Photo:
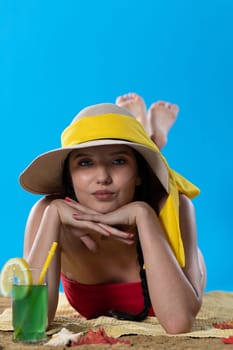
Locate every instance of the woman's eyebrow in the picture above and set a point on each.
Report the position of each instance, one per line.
(77, 155)
(119, 152)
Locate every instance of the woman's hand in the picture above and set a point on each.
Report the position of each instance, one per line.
(120, 223)
(66, 209)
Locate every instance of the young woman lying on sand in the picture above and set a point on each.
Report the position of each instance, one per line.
(123, 219)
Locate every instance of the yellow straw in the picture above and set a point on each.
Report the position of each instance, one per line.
(47, 262)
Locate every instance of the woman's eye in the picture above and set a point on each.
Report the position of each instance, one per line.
(119, 161)
(84, 163)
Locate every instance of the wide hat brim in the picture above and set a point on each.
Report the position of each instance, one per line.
(44, 174)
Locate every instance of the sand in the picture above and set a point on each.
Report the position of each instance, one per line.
(137, 341)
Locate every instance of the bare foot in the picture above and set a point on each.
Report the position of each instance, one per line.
(135, 105)
(161, 117)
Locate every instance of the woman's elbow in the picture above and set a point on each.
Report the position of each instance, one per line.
(182, 321)
(178, 324)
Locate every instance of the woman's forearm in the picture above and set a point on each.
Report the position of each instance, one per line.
(173, 298)
(47, 233)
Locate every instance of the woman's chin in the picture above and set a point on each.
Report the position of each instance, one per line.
(105, 208)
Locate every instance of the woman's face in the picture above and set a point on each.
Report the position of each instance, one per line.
(104, 177)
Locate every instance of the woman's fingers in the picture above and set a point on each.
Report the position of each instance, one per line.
(105, 230)
(78, 207)
(117, 233)
(90, 227)
(108, 219)
(89, 243)
(93, 222)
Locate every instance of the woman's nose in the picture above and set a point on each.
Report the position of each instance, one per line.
(103, 175)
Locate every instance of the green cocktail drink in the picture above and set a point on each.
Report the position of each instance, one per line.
(30, 312)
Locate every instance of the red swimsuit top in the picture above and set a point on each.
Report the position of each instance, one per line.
(92, 301)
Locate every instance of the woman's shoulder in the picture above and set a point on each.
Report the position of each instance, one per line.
(43, 202)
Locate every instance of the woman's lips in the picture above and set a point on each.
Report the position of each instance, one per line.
(103, 195)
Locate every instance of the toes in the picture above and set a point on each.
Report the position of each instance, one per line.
(132, 95)
(166, 105)
(175, 108)
(119, 100)
(172, 107)
(156, 105)
(123, 98)
(128, 96)
(161, 103)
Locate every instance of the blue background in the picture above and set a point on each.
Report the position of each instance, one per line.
(56, 57)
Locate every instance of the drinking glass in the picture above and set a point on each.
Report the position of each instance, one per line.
(30, 310)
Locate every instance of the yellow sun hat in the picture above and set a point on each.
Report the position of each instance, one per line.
(109, 124)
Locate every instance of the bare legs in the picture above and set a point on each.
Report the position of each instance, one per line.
(157, 121)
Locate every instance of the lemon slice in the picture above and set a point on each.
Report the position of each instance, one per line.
(15, 270)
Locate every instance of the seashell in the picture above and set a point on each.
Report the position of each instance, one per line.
(64, 337)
